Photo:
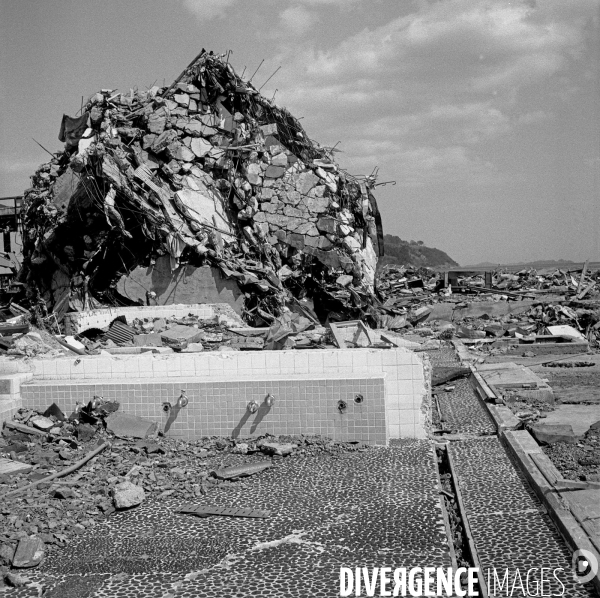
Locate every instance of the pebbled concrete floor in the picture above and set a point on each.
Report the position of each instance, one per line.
(374, 508)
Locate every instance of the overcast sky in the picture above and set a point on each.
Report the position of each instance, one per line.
(486, 113)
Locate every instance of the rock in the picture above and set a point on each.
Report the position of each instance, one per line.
(200, 147)
(327, 225)
(156, 123)
(280, 160)
(253, 174)
(127, 494)
(178, 151)
(344, 280)
(63, 493)
(42, 423)
(30, 553)
(274, 448)
(15, 580)
(275, 172)
(241, 448)
(553, 433)
(124, 425)
(306, 181)
(7, 552)
(85, 432)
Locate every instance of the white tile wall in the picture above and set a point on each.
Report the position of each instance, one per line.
(407, 382)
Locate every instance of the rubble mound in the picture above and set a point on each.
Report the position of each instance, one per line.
(208, 172)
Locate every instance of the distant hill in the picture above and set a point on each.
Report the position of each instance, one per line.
(414, 253)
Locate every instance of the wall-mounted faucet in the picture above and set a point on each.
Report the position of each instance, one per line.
(252, 407)
(269, 400)
(182, 401)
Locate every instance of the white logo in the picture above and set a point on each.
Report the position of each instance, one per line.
(584, 565)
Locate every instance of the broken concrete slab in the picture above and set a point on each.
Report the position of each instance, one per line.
(566, 331)
(553, 433)
(579, 417)
(10, 467)
(518, 378)
(42, 423)
(30, 553)
(124, 425)
(181, 336)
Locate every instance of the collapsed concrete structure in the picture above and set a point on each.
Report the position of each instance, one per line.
(204, 173)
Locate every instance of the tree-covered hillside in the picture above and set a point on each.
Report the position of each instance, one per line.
(415, 253)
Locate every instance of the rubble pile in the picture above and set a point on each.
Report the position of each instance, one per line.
(206, 171)
(523, 305)
(579, 461)
(130, 470)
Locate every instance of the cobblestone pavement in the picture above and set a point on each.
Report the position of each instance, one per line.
(462, 410)
(374, 508)
(509, 525)
(444, 356)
